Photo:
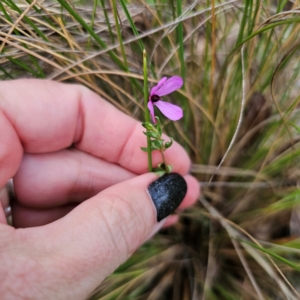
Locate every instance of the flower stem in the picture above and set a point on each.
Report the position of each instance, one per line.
(164, 161)
(147, 115)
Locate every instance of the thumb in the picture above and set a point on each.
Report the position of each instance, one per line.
(102, 232)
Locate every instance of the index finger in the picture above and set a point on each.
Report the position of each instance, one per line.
(39, 116)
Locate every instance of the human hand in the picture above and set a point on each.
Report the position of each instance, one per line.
(82, 206)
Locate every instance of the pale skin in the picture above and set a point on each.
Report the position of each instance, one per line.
(81, 186)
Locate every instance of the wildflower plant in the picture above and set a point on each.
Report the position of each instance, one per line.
(153, 132)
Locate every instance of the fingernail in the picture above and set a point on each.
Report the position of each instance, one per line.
(167, 192)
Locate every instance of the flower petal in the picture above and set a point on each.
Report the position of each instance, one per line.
(151, 109)
(170, 85)
(171, 111)
(156, 87)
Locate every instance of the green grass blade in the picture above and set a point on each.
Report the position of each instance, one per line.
(243, 22)
(118, 27)
(5, 13)
(6, 73)
(88, 28)
(24, 66)
(34, 27)
(132, 25)
(112, 37)
(48, 20)
(180, 40)
(280, 258)
(135, 32)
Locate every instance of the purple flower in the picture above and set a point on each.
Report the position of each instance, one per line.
(164, 87)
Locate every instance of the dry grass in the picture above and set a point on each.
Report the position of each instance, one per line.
(240, 63)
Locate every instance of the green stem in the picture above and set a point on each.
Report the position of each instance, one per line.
(147, 115)
(164, 161)
(180, 40)
(114, 6)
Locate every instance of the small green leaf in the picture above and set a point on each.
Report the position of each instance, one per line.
(169, 168)
(169, 144)
(166, 168)
(145, 149)
(148, 126)
(153, 148)
(159, 171)
(161, 166)
(152, 134)
(158, 144)
(158, 126)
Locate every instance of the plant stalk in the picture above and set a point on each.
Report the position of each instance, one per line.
(147, 114)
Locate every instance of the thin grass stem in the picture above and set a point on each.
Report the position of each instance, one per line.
(107, 21)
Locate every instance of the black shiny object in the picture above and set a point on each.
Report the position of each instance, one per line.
(167, 192)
